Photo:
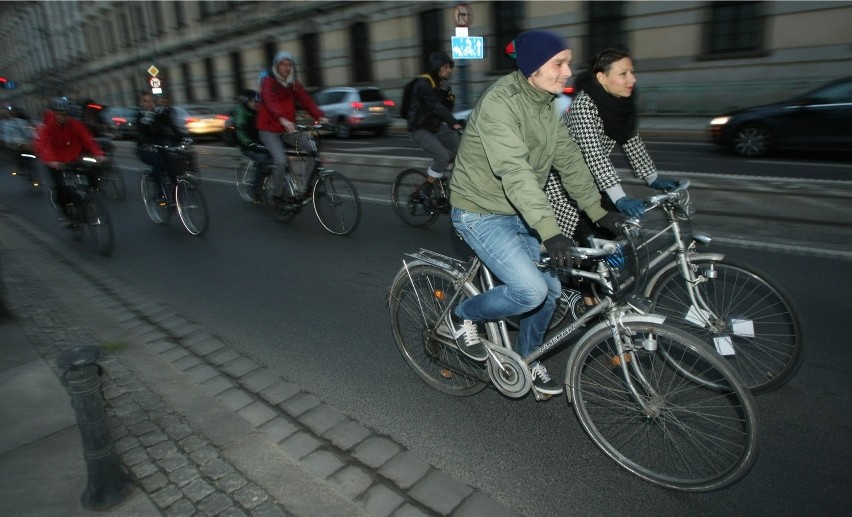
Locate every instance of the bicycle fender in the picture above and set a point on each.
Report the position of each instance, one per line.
(627, 318)
(717, 257)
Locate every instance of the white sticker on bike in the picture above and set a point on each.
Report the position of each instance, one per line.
(697, 317)
(724, 345)
(743, 328)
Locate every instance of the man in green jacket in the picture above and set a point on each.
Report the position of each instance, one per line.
(512, 140)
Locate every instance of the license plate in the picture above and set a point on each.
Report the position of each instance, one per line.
(377, 109)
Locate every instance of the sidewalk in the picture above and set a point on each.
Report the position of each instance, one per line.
(202, 429)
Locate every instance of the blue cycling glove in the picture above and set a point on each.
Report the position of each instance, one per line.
(663, 184)
(630, 207)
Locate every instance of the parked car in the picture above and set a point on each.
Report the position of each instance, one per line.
(564, 99)
(819, 119)
(352, 109)
(199, 120)
(122, 119)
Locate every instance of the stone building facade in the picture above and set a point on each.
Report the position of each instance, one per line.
(692, 57)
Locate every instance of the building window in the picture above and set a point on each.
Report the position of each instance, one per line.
(432, 38)
(606, 26)
(125, 28)
(187, 82)
(735, 27)
(359, 42)
(237, 69)
(180, 18)
(159, 27)
(210, 8)
(508, 18)
(210, 72)
(310, 64)
(270, 48)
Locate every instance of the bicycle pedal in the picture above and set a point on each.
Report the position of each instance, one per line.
(541, 397)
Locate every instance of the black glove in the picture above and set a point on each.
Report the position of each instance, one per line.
(611, 222)
(559, 249)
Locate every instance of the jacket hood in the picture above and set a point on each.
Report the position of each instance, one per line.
(280, 56)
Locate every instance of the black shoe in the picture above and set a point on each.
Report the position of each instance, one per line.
(543, 382)
(467, 337)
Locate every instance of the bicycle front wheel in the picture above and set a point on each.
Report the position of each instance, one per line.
(157, 211)
(113, 181)
(336, 203)
(99, 224)
(191, 207)
(406, 200)
(244, 178)
(417, 298)
(691, 432)
(748, 318)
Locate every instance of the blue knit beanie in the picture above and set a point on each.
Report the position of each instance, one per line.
(536, 47)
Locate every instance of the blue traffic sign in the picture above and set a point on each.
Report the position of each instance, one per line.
(468, 47)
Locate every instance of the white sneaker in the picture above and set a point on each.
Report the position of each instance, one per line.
(467, 337)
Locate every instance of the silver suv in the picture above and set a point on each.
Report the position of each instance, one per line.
(355, 109)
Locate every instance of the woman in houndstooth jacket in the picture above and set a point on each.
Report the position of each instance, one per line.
(602, 115)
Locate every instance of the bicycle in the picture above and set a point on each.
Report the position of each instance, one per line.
(85, 210)
(333, 196)
(747, 317)
(109, 179)
(181, 193)
(412, 206)
(652, 397)
(244, 175)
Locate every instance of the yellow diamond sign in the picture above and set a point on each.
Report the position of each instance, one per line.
(153, 70)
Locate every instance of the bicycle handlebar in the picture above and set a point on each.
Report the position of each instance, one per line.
(674, 195)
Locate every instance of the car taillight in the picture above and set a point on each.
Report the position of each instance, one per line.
(568, 90)
(119, 120)
(222, 117)
(357, 105)
(189, 120)
(389, 103)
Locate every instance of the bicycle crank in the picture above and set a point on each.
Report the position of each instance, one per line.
(508, 372)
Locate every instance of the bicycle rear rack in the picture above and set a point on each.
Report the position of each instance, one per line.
(439, 260)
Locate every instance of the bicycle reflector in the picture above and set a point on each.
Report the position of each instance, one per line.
(439, 294)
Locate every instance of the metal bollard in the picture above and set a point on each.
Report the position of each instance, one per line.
(108, 482)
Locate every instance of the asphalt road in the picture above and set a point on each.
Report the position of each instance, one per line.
(311, 306)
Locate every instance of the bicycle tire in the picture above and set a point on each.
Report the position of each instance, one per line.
(158, 213)
(244, 178)
(765, 345)
(409, 209)
(417, 298)
(693, 437)
(100, 224)
(191, 207)
(336, 203)
(113, 181)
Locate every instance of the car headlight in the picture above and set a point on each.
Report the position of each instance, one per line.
(719, 121)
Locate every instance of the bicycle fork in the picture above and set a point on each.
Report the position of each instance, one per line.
(627, 363)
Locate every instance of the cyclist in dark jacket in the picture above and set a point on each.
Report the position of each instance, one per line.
(431, 123)
(245, 127)
(156, 127)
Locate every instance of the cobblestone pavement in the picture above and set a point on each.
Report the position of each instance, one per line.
(203, 429)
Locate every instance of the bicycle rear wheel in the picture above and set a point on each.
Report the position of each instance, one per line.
(406, 201)
(336, 203)
(99, 224)
(152, 197)
(191, 207)
(417, 298)
(752, 321)
(244, 178)
(691, 434)
(113, 181)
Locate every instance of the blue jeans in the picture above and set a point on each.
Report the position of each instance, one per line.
(505, 245)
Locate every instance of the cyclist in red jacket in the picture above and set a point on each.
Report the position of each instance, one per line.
(61, 140)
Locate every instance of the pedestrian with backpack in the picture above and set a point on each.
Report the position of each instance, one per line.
(427, 104)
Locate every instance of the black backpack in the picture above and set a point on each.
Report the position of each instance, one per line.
(405, 107)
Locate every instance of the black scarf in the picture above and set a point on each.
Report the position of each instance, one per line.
(617, 113)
